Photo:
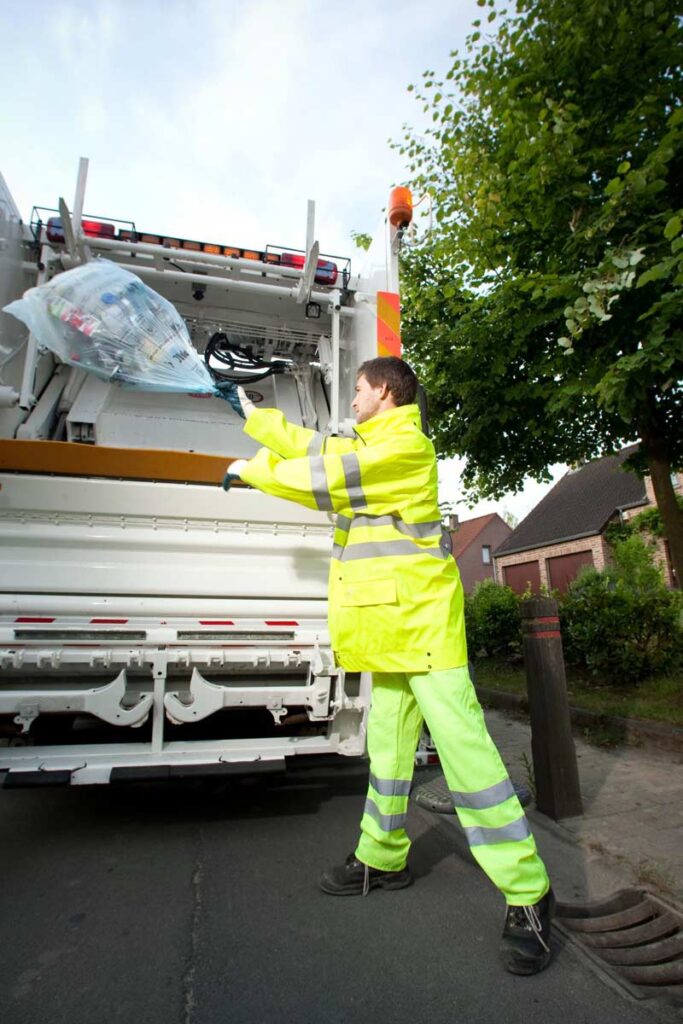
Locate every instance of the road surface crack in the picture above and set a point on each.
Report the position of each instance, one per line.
(190, 969)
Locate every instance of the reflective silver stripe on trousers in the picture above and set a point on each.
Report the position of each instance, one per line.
(321, 491)
(483, 798)
(387, 822)
(514, 832)
(351, 467)
(380, 548)
(390, 787)
(421, 531)
(316, 445)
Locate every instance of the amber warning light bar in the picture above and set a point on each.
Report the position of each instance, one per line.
(326, 274)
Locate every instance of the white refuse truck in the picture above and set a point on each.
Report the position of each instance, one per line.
(150, 623)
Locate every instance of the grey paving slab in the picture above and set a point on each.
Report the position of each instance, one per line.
(631, 831)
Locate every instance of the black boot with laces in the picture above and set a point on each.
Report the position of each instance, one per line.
(354, 878)
(525, 945)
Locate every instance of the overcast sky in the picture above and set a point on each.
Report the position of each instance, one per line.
(218, 119)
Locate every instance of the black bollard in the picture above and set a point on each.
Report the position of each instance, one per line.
(558, 792)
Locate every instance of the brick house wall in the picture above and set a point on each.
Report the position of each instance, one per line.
(661, 554)
(596, 545)
(471, 564)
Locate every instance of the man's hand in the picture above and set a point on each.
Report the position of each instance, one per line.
(237, 397)
(233, 473)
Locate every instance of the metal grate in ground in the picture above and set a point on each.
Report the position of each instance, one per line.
(430, 791)
(635, 936)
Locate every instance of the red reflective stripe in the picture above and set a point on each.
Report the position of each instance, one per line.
(282, 623)
(541, 634)
(29, 618)
(216, 622)
(546, 618)
(108, 622)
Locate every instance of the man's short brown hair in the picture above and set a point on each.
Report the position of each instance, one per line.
(395, 373)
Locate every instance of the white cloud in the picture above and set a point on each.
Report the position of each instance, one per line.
(92, 115)
(519, 504)
(84, 34)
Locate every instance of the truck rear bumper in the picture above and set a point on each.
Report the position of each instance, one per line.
(93, 765)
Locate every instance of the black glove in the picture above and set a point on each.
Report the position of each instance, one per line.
(228, 390)
(228, 480)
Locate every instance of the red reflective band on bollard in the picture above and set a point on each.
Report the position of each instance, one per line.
(542, 626)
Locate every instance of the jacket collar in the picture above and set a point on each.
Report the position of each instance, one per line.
(389, 421)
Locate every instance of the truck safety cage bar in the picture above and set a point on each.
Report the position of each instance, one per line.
(327, 272)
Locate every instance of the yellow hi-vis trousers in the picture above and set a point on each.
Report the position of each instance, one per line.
(488, 809)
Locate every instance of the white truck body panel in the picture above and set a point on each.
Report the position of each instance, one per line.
(160, 625)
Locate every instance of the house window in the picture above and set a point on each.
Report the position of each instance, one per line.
(486, 554)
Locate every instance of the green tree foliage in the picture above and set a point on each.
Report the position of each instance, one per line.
(492, 620)
(545, 316)
(362, 240)
(622, 624)
(646, 524)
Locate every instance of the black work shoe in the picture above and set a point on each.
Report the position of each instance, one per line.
(353, 878)
(525, 945)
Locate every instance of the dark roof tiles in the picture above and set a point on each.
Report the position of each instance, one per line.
(579, 505)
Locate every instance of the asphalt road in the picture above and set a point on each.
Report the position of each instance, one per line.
(197, 903)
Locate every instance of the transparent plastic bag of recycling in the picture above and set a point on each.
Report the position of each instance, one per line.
(103, 319)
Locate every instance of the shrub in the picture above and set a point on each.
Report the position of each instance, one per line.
(622, 624)
(492, 620)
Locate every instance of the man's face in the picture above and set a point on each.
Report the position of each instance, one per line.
(368, 401)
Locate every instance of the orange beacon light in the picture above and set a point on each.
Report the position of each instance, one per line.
(400, 207)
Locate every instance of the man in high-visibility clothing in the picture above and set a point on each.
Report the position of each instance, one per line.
(396, 610)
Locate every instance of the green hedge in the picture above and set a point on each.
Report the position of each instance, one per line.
(623, 624)
(492, 620)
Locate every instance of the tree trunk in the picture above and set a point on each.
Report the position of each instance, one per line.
(665, 496)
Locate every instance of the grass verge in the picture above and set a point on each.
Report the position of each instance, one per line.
(659, 699)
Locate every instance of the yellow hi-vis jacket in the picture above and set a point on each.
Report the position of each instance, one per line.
(395, 597)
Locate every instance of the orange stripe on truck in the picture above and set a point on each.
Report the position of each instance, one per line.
(388, 324)
(65, 458)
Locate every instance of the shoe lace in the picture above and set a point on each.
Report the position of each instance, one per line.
(366, 880)
(535, 925)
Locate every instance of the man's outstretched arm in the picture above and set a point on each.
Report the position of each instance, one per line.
(270, 428)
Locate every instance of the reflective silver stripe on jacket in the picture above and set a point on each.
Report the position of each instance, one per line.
(381, 548)
(316, 446)
(390, 787)
(421, 531)
(387, 822)
(514, 832)
(321, 491)
(483, 798)
(351, 467)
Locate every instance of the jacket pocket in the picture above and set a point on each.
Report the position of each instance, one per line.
(368, 592)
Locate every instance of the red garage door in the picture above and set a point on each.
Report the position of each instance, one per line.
(565, 568)
(520, 576)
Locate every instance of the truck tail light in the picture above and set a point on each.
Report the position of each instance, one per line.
(92, 228)
(326, 272)
(98, 229)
